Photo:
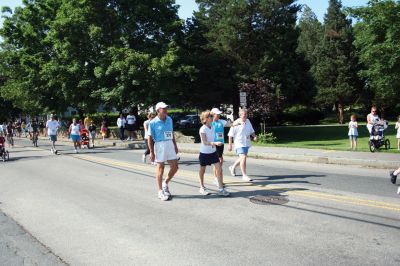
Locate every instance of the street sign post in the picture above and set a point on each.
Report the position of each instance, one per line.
(243, 99)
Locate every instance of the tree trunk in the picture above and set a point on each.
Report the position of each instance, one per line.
(236, 103)
(382, 113)
(80, 113)
(340, 112)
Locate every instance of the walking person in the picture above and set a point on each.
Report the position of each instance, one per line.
(121, 123)
(130, 125)
(208, 154)
(87, 122)
(10, 134)
(240, 136)
(18, 129)
(353, 132)
(24, 128)
(92, 132)
(398, 132)
(52, 126)
(218, 125)
(150, 116)
(34, 132)
(104, 129)
(393, 177)
(163, 149)
(74, 132)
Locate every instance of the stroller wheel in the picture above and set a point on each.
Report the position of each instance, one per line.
(387, 144)
(371, 145)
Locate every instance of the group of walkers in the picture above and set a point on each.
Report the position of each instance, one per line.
(162, 148)
(128, 123)
(20, 129)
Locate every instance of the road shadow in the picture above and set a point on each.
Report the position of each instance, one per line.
(189, 162)
(280, 177)
(241, 194)
(27, 158)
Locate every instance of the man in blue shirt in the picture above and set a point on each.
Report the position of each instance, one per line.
(163, 148)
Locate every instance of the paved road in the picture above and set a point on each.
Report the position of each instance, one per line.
(100, 208)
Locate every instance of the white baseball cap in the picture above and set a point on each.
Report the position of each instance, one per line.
(161, 105)
(216, 111)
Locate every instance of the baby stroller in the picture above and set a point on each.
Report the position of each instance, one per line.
(377, 137)
(4, 154)
(85, 138)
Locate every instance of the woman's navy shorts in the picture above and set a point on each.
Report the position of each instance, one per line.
(208, 158)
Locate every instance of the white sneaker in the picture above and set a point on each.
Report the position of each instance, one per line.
(144, 158)
(51, 150)
(215, 182)
(162, 196)
(398, 191)
(232, 170)
(203, 191)
(246, 178)
(223, 192)
(76, 151)
(165, 189)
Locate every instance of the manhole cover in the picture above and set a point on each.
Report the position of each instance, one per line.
(265, 200)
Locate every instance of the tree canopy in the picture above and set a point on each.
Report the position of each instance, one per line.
(56, 54)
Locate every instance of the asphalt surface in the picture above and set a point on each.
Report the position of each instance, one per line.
(100, 207)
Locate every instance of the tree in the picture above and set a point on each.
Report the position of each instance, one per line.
(260, 39)
(61, 53)
(378, 41)
(264, 102)
(212, 80)
(336, 66)
(311, 34)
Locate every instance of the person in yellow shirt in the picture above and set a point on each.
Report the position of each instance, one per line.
(87, 122)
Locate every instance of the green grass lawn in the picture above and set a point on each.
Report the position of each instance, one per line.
(330, 137)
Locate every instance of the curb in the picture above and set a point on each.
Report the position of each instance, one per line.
(379, 164)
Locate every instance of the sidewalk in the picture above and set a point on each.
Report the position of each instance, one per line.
(364, 159)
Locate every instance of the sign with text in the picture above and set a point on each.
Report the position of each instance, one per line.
(243, 99)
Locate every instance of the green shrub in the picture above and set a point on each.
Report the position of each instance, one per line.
(302, 115)
(266, 138)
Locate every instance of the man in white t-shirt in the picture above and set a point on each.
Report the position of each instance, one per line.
(52, 126)
(130, 125)
(240, 135)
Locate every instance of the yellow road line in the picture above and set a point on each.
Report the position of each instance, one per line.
(309, 194)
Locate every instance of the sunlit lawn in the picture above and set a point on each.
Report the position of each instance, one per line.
(332, 137)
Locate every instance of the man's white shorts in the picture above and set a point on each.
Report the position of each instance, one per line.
(165, 151)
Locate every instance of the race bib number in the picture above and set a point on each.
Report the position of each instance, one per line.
(220, 135)
(168, 135)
